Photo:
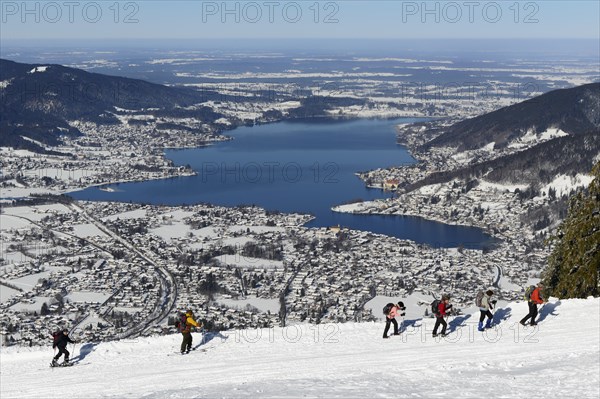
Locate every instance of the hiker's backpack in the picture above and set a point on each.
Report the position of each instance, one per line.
(181, 323)
(479, 299)
(528, 292)
(435, 307)
(55, 338)
(387, 308)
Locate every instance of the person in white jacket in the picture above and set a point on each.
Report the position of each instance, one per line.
(487, 304)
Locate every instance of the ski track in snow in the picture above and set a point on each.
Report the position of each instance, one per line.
(334, 361)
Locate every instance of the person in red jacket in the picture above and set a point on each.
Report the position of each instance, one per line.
(443, 307)
(535, 299)
(390, 317)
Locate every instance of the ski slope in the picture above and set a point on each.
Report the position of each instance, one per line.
(559, 359)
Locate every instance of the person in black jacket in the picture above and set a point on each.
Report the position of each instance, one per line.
(61, 340)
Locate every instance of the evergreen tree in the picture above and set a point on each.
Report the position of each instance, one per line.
(573, 265)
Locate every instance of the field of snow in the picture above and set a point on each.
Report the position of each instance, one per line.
(15, 257)
(36, 213)
(254, 229)
(171, 231)
(6, 293)
(62, 173)
(10, 222)
(531, 138)
(248, 262)
(263, 304)
(32, 305)
(39, 69)
(87, 230)
(28, 282)
(135, 214)
(557, 359)
(563, 184)
(87, 296)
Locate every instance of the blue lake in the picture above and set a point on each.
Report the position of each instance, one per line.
(296, 166)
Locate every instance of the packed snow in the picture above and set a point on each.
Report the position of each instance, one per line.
(31, 305)
(563, 184)
(39, 69)
(263, 304)
(248, 262)
(6, 293)
(87, 230)
(531, 138)
(87, 296)
(559, 358)
(135, 214)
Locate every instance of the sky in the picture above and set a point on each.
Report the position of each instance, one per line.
(392, 19)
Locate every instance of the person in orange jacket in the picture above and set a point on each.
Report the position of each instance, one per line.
(185, 326)
(535, 299)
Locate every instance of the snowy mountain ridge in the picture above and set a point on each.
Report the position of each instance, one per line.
(559, 358)
(573, 111)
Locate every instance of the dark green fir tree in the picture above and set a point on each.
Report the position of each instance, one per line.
(573, 265)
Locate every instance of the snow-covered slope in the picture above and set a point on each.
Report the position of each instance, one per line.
(558, 359)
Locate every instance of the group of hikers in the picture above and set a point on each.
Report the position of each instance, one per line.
(484, 301)
(440, 309)
(185, 324)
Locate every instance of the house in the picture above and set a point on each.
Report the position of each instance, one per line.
(335, 229)
(391, 184)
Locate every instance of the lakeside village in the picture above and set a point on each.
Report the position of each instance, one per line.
(98, 268)
(115, 270)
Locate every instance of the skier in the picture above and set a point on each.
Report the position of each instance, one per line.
(439, 316)
(390, 317)
(534, 299)
(486, 305)
(185, 326)
(61, 339)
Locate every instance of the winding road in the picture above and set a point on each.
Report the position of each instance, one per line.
(168, 287)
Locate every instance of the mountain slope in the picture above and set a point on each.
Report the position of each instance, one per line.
(559, 359)
(535, 166)
(574, 111)
(37, 101)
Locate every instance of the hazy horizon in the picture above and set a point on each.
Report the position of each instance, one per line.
(580, 47)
